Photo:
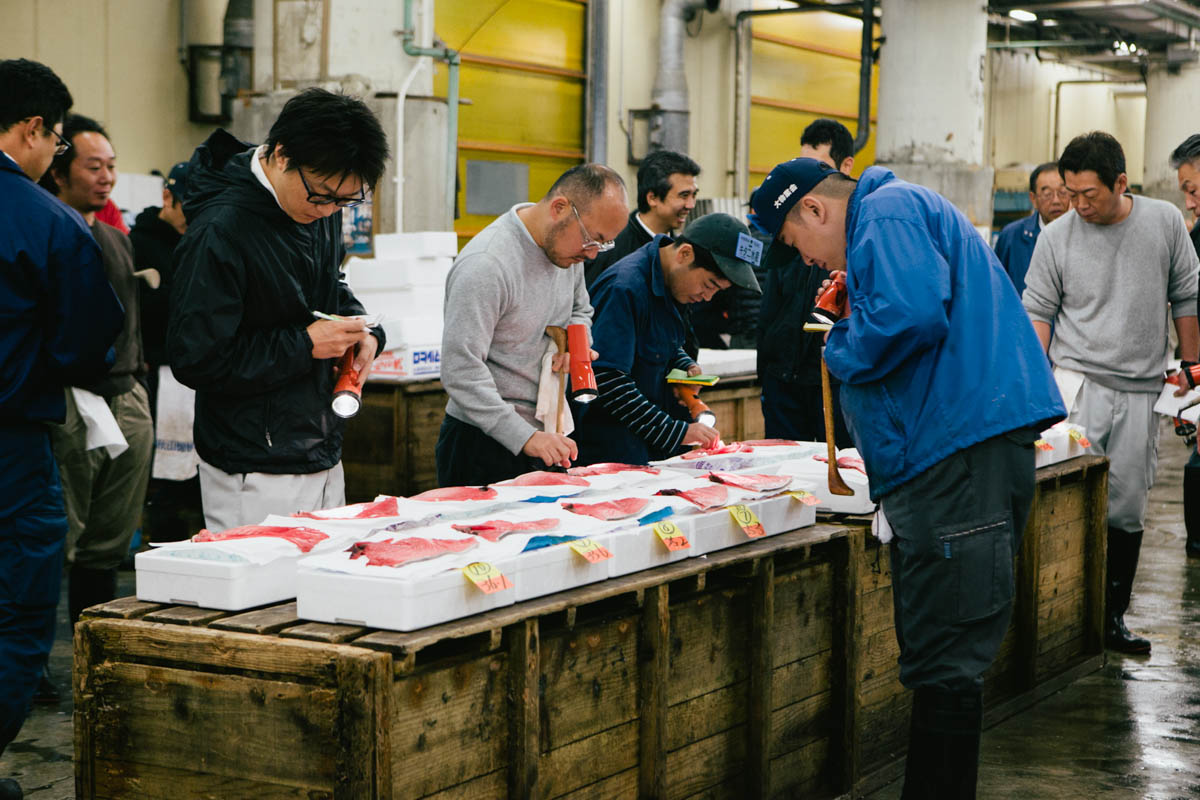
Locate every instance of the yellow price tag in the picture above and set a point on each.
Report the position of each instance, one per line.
(486, 577)
(747, 520)
(591, 552)
(1042, 444)
(671, 536)
(808, 498)
(1079, 437)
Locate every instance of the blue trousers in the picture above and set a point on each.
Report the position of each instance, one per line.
(33, 532)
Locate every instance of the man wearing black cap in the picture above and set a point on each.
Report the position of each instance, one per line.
(638, 327)
(944, 390)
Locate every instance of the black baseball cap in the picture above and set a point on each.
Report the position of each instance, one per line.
(783, 188)
(177, 180)
(734, 251)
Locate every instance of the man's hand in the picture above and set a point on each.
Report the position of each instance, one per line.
(551, 448)
(825, 284)
(364, 358)
(332, 338)
(701, 435)
(694, 370)
(561, 362)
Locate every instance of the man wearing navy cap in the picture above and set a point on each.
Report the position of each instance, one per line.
(944, 389)
(638, 327)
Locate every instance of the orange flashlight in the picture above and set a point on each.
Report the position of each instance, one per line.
(583, 380)
(689, 395)
(831, 305)
(347, 395)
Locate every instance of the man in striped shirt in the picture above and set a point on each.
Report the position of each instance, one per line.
(638, 328)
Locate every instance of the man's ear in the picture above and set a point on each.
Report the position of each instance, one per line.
(847, 165)
(685, 254)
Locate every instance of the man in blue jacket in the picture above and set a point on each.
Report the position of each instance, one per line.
(58, 319)
(944, 389)
(1014, 246)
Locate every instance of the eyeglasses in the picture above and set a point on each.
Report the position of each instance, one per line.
(62, 146)
(1046, 193)
(588, 241)
(326, 199)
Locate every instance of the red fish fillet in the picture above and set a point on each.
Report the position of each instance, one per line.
(494, 529)
(545, 479)
(394, 552)
(386, 507)
(719, 450)
(751, 483)
(771, 443)
(611, 509)
(304, 538)
(609, 468)
(705, 497)
(456, 493)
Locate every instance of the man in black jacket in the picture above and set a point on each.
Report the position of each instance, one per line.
(261, 254)
(789, 360)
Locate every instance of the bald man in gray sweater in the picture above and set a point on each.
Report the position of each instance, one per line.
(520, 274)
(1103, 277)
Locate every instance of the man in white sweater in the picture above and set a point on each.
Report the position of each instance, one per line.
(520, 274)
(1104, 275)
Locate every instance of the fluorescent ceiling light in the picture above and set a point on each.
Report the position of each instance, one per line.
(1022, 15)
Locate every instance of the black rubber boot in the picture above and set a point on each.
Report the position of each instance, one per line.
(86, 587)
(1191, 510)
(1123, 550)
(943, 746)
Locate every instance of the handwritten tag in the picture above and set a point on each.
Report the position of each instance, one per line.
(747, 521)
(1042, 444)
(671, 536)
(808, 498)
(1079, 437)
(486, 577)
(592, 553)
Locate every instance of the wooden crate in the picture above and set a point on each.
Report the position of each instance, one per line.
(389, 446)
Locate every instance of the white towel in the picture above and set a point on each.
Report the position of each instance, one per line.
(548, 396)
(880, 526)
(1069, 383)
(102, 428)
(175, 456)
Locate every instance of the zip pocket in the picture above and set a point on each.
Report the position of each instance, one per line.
(979, 579)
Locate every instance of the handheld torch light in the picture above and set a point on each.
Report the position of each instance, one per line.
(1187, 376)
(689, 395)
(831, 305)
(583, 380)
(347, 395)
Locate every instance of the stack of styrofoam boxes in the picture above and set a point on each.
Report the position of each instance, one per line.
(406, 283)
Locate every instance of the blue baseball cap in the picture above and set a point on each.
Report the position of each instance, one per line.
(783, 188)
(176, 180)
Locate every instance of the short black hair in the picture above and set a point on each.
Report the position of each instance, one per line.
(73, 125)
(654, 174)
(584, 183)
(30, 89)
(331, 134)
(1038, 170)
(832, 133)
(1188, 152)
(1096, 151)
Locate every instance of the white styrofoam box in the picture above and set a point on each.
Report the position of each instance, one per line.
(716, 529)
(402, 301)
(640, 548)
(421, 244)
(391, 603)
(760, 458)
(376, 274)
(1059, 441)
(813, 476)
(556, 569)
(727, 362)
(409, 363)
(413, 330)
(166, 575)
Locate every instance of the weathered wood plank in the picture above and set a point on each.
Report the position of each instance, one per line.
(122, 780)
(847, 633)
(1063, 657)
(450, 726)
(323, 632)
(1026, 601)
(226, 726)
(804, 608)
(653, 691)
(796, 726)
(523, 710)
(589, 680)
(623, 784)
(261, 620)
(804, 678)
(1096, 550)
(707, 715)
(84, 716)
(185, 615)
(363, 759)
(485, 787)
(122, 608)
(762, 660)
(709, 643)
(583, 763)
(706, 763)
(802, 773)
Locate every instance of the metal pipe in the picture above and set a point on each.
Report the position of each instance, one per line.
(1040, 44)
(864, 76)
(669, 97)
(1057, 102)
(453, 63)
(597, 81)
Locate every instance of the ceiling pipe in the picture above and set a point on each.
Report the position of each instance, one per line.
(669, 97)
(597, 81)
(1058, 96)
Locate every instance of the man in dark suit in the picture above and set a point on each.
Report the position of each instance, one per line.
(1014, 247)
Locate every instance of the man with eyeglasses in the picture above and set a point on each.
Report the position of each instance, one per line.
(1105, 277)
(1014, 246)
(58, 320)
(520, 274)
(261, 254)
(640, 302)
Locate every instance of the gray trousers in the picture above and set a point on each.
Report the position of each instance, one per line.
(957, 528)
(246, 498)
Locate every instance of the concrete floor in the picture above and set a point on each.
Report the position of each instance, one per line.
(1131, 730)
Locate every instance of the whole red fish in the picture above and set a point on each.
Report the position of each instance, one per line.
(494, 529)
(304, 538)
(610, 509)
(394, 552)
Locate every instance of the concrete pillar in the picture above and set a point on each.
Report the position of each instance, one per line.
(1171, 103)
(931, 100)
